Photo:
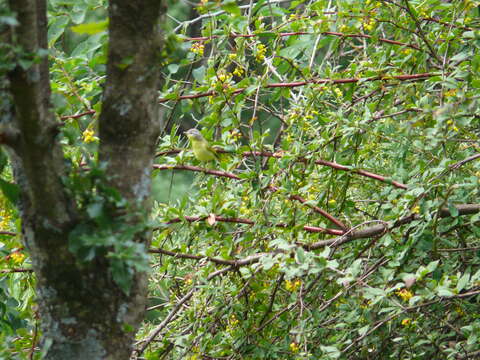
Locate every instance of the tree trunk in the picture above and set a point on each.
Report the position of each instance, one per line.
(84, 313)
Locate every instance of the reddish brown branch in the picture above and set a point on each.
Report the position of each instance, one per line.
(316, 209)
(197, 169)
(312, 81)
(333, 165)
(332, 33)
(76, 116)
(9, 233)
(315, 229)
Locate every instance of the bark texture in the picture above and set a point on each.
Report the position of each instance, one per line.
(84, 314)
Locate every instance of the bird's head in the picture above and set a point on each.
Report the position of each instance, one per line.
(194, 134)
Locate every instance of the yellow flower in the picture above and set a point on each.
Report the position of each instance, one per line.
(261, 51)
(88, 136)
(369, 24)
(233, 321)
(292, 285)
(238, 71)
(406, 322)
(4, 223)
(198, 48)
(17, 257)
(450, 93)
(404, 294)
(294, 347)
(459, 311)
(416, 209)
(332, 201)
(338, 92)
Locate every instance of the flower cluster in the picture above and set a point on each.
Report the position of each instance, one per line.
(294, 347)
(261, 51)
(89, 136)
(198, 48)
(292, 285)
(404, 294)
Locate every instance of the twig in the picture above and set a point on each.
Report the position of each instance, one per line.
(464, 161)
(285, 34)
(330, 164)
(76, 116)
(197, 169)
(17, 270)
(314, 229)
(421, 76)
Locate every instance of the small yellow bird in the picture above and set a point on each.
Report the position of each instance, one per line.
(201, 148)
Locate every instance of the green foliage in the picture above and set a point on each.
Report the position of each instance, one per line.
(265, 66)
(111, 227)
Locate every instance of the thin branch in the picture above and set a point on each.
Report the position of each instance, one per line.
(336, 166)
(76, 116)
(421, 76)
(18, 270)
(285, 34)
(464, 161)
(420, 31)
(197, 169)
(234, 263)
(331, 164)
(461, 249)
(314, 229)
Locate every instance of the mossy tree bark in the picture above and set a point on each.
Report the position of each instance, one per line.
(84, 314)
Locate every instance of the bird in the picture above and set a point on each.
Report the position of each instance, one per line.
(200, 146)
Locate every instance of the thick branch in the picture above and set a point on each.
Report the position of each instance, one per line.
(380, 229)
(128, 124)
(39, 165)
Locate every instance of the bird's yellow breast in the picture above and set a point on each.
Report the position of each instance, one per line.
(202, 150)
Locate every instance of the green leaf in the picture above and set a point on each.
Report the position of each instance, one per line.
(300, 255)
(463, 282)
(122, 275)
(10, 190)
(91, 28)
(173, 68)
(453, 210)
(56, 28)
(232, 8)
(199, 74)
